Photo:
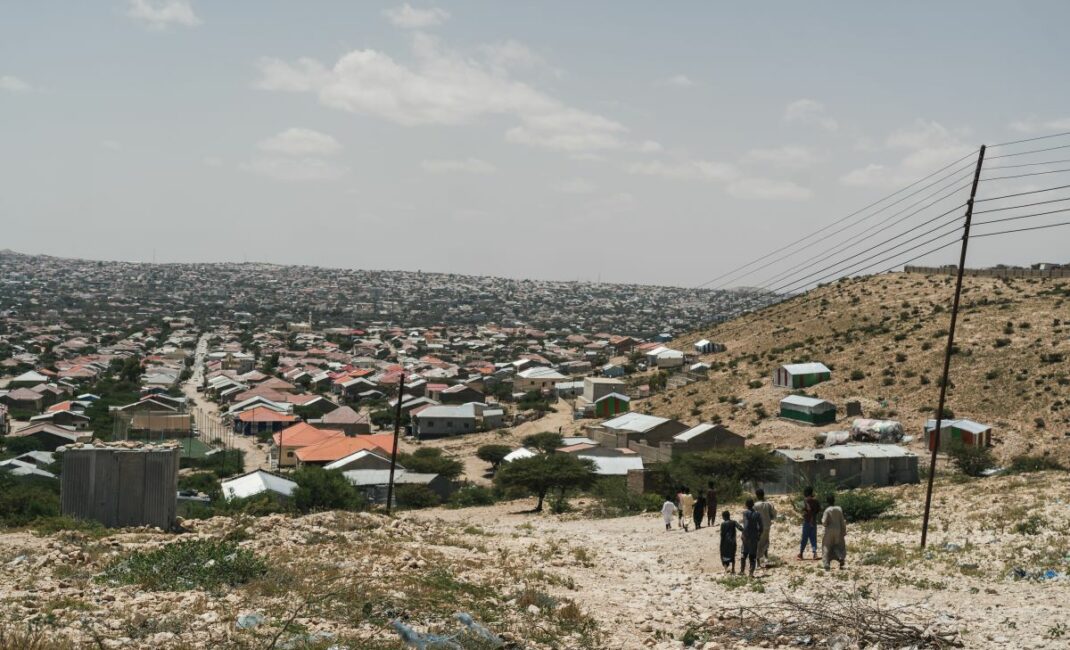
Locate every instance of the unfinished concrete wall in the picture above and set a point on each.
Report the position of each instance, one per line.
(121, 487)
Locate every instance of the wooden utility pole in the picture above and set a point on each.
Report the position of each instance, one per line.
(394, 453)
(945, 378)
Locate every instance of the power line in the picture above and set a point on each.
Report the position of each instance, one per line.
(1024, 205)
(1034, 164)
(1005, 232)
(1026, 153)
(1049, 171)
(1024, 216)
(855, 239)
(1007, 196)
(841, 220)
(1039, 137)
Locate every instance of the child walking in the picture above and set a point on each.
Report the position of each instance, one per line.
(728, 541)
(668, 509)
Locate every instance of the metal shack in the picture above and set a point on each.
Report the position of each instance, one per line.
(848, 466)
(121, 486)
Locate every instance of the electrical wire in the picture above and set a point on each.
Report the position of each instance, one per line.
(1024, 205)
(1007, 196)
(1026, 153)
(855, 239)
(1005, 232)
(1049, 171)
(1045, 162)
(849, 216)
(1023, 216)
(1039, 137)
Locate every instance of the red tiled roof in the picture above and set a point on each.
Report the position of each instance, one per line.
(264, 414)
(339, 447)
(304, 434)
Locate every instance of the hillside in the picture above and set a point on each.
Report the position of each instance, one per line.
(339, 579)
(1011, 369)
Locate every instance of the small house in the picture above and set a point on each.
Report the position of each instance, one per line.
(612, 404)
(800, 375)
(808, 410)
(958, 432)
(706, 346)
(257, 482)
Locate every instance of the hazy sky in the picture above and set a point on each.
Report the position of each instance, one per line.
(632, 141)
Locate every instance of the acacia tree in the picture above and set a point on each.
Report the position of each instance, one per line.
(546, 441)
(541, 474)
(493, 454)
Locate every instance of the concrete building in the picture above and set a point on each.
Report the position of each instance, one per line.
(848, 466)
(454, 420)
(537, 379)
(633, 427)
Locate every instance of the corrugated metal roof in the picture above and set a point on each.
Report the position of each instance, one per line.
(637, 422)
(694, 431)
(614, 465)
(255, 483)
(805, 368)
(840, 452)
(805, 402)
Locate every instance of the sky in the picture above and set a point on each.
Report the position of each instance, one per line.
(603, 140)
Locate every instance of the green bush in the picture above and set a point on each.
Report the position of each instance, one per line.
(416, 496)
(60, 523)
(203, 482)
(431, 460)
(1031, 526)
(1024, 464)
(857, 375)
(493, 454)
(17, 446)
(971, 460)
(862, 505)
(472, 495)
(319, 489)
(188, 564)
(614, 499)
(22, 500)
(223, 464)
(729, 468)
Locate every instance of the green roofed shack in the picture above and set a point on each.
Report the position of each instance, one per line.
(800, 375)
(807, 409)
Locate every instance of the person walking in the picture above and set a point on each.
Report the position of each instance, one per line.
(834, 542)
(809, 526)
(768, 514)
(687, 508)
(711, 504)
(752, 532)
(700, 510)
(728, 541)
(668, 509)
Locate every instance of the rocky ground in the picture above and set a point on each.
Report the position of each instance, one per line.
(546, 581)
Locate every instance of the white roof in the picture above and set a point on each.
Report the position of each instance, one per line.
(806, 402)
(30, 375)
(694, 431)
(257, 482)
(364, 477)
(637, 422)
(568, 441)
(355, 456)
(702, 342)
(448, 411)
(614, 465)
(620, 396)
(21, 468)
(540, 373)
(847, 451)
(964, 424)
(805, 368)
(517, 454)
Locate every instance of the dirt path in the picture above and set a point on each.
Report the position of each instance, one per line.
(206, 415)
(643, 582)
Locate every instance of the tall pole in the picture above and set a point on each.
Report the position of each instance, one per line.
(394, 452)
(935, 441)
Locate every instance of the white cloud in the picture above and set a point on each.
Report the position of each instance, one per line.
(811, 112)
(607, 206)
(293, 169)
(511, 54)
(923, 147)
(787, 156)
(1034, 125)
(765, 189)
(687, 170)
(301, 142)
(574, 186)
(680, 81)
(408, 17)
(12, 84)
(161, 14)
(111, 144)
(466, 166)
(442, 87)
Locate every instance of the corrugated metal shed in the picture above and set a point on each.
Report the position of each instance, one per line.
(119, 486)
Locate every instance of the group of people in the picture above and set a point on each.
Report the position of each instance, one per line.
(757, 524)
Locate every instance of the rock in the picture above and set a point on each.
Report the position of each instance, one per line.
(250, 621)
(533, 610)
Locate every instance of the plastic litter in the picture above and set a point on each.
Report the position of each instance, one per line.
(421, 641)
(249, 621)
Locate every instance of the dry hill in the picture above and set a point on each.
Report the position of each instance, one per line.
(1011, 368)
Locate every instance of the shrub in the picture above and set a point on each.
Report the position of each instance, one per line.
(755, 383)
(493, 454)
(857, 375)
(21, 445)
(1024, 464)
(416, 496)
(204, 482)
(971, 460)
(189, 564)
(431, 460)
(472, 495)
(546, 441)
(1031, 526)
(862, 505)
(320, 489)
(614, 499)
(22, 500)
